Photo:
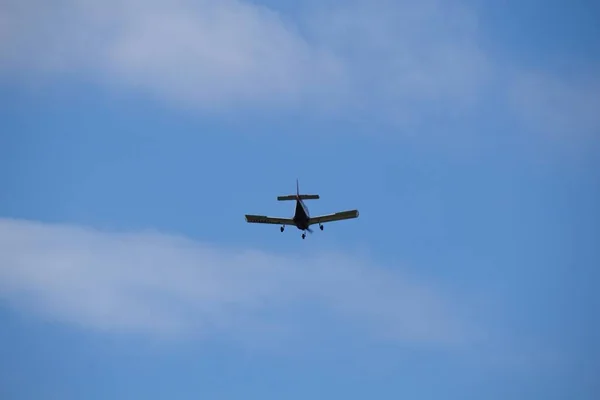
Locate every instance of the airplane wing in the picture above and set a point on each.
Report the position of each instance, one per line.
(263, 219)
(338, 216)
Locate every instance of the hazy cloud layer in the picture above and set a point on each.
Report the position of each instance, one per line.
(558, 108)
(403, 60)
(164, 285)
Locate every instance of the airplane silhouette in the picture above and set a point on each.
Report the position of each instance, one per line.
(301, 219)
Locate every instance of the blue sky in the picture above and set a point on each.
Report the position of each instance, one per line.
(135, 135)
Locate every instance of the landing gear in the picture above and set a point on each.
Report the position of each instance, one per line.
(320, 226)
(282, 228)
(304, 236)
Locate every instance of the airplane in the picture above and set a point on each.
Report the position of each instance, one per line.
(301, 219)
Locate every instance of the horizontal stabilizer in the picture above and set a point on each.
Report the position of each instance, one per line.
(301, 196)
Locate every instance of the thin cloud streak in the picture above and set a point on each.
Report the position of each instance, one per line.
(167, 286)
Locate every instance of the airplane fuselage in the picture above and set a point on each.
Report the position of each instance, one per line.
(301, 216)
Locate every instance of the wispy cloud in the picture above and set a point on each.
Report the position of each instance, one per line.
(219, 53)
(404, 61)
(201, 54)
(562, 108)
(157, 285)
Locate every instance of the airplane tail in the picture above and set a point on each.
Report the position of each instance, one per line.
(298, 196)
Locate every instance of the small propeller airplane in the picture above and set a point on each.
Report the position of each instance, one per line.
(301, 219)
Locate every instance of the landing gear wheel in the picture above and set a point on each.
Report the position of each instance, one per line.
(303, 235)
(321, 227)
(282, 228)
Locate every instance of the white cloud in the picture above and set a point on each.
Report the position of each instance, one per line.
(408, 62)
(159, 284)
(217, 53)
(205, 54)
